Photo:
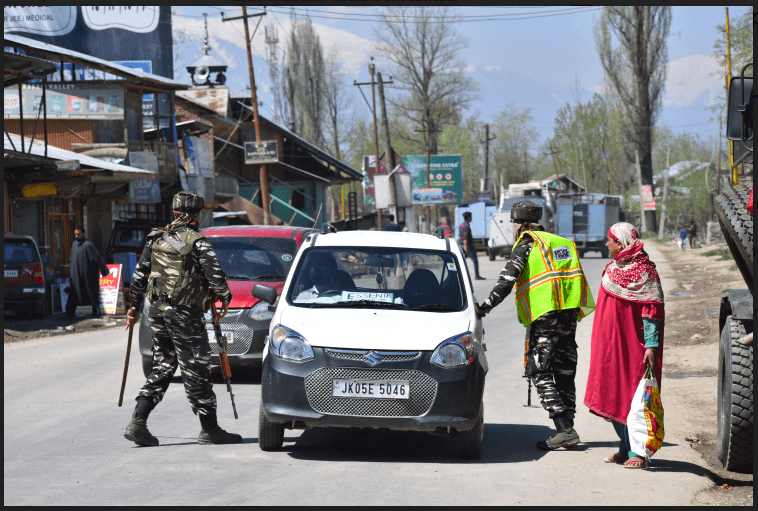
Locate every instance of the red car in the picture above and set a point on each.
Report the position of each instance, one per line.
(249, 255)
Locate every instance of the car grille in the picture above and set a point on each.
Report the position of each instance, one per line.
(318, 389)
(243, 338)
(383, 356)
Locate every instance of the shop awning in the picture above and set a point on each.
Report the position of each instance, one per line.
(34, 153)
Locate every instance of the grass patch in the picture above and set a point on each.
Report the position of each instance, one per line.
(722, 253)
(646, 235)
(733, 267)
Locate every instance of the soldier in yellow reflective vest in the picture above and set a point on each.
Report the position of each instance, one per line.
(551, 296)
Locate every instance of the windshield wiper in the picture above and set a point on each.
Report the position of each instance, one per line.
(269, 277)
(238, 277)
(434, 307)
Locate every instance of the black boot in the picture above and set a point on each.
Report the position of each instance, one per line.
(137, 432)
(567, 436)
(213, 434)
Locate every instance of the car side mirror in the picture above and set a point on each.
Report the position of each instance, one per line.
(739, 121)
(265, 293)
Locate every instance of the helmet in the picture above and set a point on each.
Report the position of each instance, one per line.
(526, 211)
(188, 202)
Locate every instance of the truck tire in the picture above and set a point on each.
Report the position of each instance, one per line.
(737, 225)
(605, 253)
(734, 443)
(270, 434)
(492, 254)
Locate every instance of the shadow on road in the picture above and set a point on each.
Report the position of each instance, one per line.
(503, 443)
(664, 465)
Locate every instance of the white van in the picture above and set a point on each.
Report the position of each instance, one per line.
(375, 329)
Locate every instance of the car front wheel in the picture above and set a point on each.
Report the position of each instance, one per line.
(471, 441)
(270, 434)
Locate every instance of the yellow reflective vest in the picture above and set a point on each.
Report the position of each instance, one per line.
(552, 279)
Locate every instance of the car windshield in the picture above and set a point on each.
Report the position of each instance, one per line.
(255, 258)
(19, 251)
(378, 277)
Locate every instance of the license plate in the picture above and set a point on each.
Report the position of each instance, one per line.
(11, 273)
(229, 336)
(379, 389)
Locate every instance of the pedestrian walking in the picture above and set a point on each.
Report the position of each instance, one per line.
(179, 274)
(627, 335)
(692, 233)
(391, 225)
(465, 236)
(683, 237)
(446, 230)
(552, 295)
(86, 267)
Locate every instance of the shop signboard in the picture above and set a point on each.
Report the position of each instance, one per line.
(144, 191)
(66, 101)
(260, 152)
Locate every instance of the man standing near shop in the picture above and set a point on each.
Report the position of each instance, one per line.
(86, 267)
(179, 274)
(465, 236)
(552, 294)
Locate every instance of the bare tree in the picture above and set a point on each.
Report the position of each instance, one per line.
(635, 63)
(335, 99)
(424, 47)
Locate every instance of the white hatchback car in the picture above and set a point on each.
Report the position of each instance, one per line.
(375, 329)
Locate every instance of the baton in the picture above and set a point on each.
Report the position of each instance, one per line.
(126, 364)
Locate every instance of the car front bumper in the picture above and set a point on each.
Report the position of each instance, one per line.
(439, 398)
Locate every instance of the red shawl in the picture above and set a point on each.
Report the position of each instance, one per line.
(630, 290)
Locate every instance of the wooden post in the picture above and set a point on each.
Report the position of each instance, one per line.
(372, 69)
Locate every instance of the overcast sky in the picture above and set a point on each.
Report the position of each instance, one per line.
(549, 45)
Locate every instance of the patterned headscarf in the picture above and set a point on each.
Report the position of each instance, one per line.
(631, 275)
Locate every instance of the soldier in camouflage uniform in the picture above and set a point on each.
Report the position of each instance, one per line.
(552, 356)
(180, 275)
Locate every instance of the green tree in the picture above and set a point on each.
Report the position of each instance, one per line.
(515, 131)
(463, 140)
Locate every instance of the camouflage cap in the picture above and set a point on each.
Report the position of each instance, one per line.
(526, 211)
(187, 202)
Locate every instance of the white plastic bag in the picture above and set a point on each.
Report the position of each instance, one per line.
(645, 419)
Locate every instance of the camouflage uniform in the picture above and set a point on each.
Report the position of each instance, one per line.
(178, 329)
(552, 340)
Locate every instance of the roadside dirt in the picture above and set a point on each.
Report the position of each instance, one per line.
(692, 286)
(17, 328)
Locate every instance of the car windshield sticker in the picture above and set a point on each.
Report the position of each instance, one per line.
(354, 296)
(561, 253)
(286, 257)
(451, 266)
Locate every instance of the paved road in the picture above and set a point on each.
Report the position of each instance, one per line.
(63, 440)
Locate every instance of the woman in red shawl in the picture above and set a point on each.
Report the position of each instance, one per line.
(627, 335)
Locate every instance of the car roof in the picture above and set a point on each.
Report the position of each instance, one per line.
(271, 231)
(381, 239)
(11, 237)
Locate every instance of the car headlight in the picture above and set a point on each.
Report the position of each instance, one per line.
(290, 345)
(454, 352)
(260, 312)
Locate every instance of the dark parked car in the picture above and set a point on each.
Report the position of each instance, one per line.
(23, 275)
(249, 255)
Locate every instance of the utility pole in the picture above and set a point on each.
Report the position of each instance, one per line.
(272, 38)
(526, 166)
(486, 142)
(665, 194)
(263, 175)
(371, 69)
(427, 131)
(732, 168)
(555, 167)
(388, 145)
(639, 181)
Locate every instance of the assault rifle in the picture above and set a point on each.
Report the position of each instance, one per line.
(526, 371)
(225, 370)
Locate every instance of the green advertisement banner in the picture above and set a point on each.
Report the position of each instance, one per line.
(445, 184)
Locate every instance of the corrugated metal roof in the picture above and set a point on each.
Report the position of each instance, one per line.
(13, 40)
(56, 153)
